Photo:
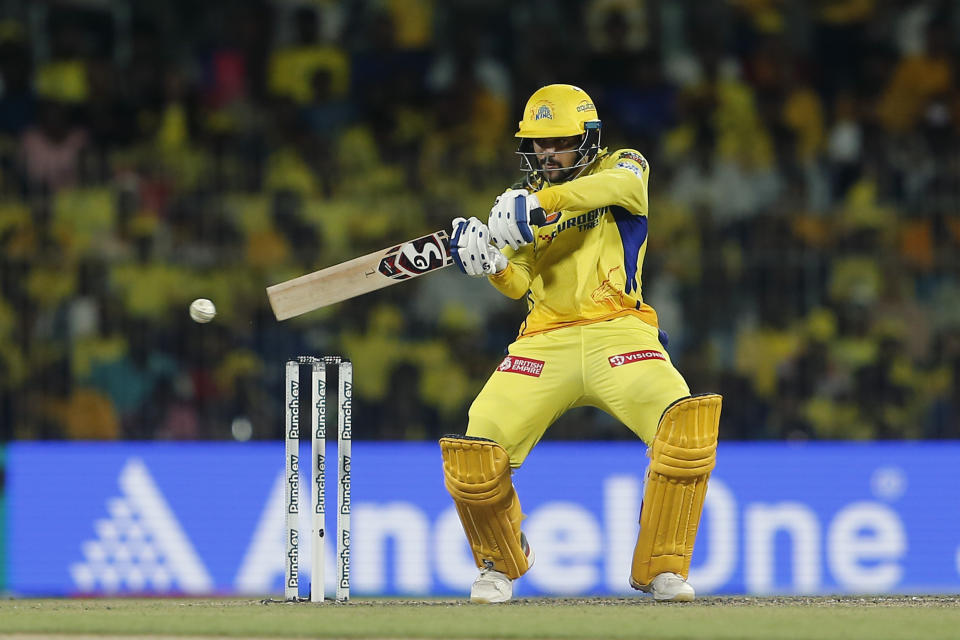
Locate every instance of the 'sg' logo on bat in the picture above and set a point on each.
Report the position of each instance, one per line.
(430, 254)
(417, 257)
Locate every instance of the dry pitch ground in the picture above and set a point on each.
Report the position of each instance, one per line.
(770, 618)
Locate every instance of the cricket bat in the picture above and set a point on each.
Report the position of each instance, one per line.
(367, 273)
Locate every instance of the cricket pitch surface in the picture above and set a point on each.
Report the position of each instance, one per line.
(768, 618)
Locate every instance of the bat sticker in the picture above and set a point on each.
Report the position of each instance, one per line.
(417, 257)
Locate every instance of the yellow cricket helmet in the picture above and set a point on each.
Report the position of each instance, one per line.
(559, 111)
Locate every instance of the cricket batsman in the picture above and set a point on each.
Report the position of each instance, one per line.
(588, 339)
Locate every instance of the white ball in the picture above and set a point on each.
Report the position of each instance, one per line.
(202, 310)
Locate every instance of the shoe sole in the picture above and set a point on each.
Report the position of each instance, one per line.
(487, 601)
(679, 597)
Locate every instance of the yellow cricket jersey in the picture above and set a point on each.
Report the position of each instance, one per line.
(584, 266)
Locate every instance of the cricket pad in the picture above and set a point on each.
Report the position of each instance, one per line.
(682, 455)
(476, 472)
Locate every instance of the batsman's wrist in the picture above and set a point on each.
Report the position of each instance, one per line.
(500, 263)
(500, 271)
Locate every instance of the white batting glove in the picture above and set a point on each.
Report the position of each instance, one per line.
(471, 249)
(510, 218)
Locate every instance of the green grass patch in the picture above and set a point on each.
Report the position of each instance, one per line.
(710, 618)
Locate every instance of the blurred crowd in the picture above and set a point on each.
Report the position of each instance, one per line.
(804, 224)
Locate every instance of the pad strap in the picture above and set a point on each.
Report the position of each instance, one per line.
(477, 474)
(683, 454)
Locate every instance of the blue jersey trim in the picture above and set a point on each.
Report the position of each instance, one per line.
(523, 325)
(633, 233)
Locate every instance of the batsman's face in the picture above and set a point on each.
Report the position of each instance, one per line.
(556, 155)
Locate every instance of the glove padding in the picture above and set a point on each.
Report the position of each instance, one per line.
(471, 249)
(510, 218)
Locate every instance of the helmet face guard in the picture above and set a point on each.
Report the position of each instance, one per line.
(531, 161)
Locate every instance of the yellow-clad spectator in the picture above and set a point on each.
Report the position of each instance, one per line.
(844, 11)
(917, 81)
(803, 114)
(287, 170)
(13, 362)
(292, 68)
(63, 80)
(449, 379)
(760, 351)
(87, 414)
(87, 215)
(376, 349)
(149, 286)
(836, 419)
(413, 22)
(63, 77)
(766, 16)
(728, 105)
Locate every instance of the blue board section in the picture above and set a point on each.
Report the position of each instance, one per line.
(207, 518)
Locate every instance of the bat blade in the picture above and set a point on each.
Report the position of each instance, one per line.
(360, 275)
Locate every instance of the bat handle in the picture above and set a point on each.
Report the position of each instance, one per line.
(538, 217)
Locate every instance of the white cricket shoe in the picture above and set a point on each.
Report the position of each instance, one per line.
(668, 587)
(491, 586)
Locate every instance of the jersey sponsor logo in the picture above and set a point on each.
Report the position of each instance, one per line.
(629, 166)
(636, 157)
(634, 356)
(543, 113)
(526, 366)
(550, 218)
(582, 222)
(416, 257)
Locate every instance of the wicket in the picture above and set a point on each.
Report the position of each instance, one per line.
(318, 401)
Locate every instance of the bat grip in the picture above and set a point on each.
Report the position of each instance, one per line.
(538, 217)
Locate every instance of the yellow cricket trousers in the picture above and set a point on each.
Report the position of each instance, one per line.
(618, 366)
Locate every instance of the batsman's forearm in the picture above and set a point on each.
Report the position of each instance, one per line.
(610, 187)
(512, 282)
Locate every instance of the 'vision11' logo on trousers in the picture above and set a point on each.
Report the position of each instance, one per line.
(294, 481)
(634, 356)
